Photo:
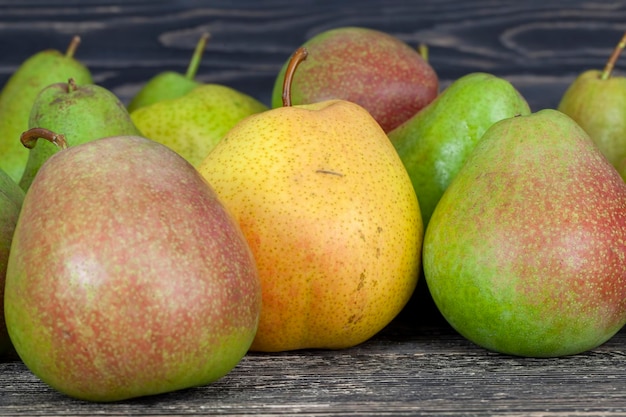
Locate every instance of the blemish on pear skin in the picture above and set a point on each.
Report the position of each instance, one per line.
(324, 171)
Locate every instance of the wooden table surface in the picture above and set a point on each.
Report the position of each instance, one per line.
(418, 365)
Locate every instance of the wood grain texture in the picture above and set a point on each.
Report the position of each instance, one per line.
(415, 366)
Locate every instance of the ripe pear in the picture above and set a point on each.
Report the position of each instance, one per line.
(80, 113)
(336, 233)
(596, 100)
(374, 69)
(19, 94)
(435, 142)
(170, 84)
(127, 276)
(11, 198)
(192, 124)
(524, 253)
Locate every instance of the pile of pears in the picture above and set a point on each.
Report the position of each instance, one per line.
(146, 248)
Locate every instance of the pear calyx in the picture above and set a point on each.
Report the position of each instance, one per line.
(29, 137)
(298, 56)
(610, 64)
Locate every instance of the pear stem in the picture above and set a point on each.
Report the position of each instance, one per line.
(298, 56)
(71, 48)
(422, 49)
(71, 85)
(608, 69)
(29, 138)
(194, 64)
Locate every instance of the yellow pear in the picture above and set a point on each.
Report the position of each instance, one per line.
(330, 215)
(193, 123)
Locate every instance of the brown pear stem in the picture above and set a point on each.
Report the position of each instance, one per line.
(610, 64)
(422, 49)
(298, 56)
(194, 64)
(29, 138)
(71, 49)
(71, 85)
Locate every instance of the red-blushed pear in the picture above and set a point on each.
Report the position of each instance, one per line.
(331, 216)
(11, 198)
(372, 68)
(524, 253)
(596, 100)
(127, 276)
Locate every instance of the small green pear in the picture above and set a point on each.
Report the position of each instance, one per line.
(331, 217)
(80, 113)
(596, 100)
(192, 124)
(19, 94)
(170, 84)
(11, 198)
(434, 143)
(525, 254)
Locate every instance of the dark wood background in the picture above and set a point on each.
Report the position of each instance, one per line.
(418, 365)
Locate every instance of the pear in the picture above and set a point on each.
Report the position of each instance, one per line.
(192, 124)
(19, 93)
(331, 217)
(596, 100)
(171, 84)
(524, 253)
(127, 276)
(78, 112)
(11, 198)
(374, 69)
(435, 142)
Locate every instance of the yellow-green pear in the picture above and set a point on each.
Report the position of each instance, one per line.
(331, 217)
(19, 93)
(192, 124)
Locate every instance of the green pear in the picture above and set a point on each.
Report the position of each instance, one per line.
(127, 276)
(596, 100)
(524, 253)
(170, 84)
(374, 69)
(434, 143)
(11, 198)
(336, 233)
(78, 112)
(19, 94)
(192, 124)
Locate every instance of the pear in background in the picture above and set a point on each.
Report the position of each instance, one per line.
(11, 198)
(127, 276)
(434, 143)
(336, 232)
(80, 113)
(170, 84)
(19, 94)
(374, 69)
(524, 253)
(596, 100)
(192, 124)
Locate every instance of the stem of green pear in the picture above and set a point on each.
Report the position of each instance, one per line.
(71, 85)
(298, 56)
(610, 64)
(29, 138)
(194, 64)
(71, 48)
(422, 49)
